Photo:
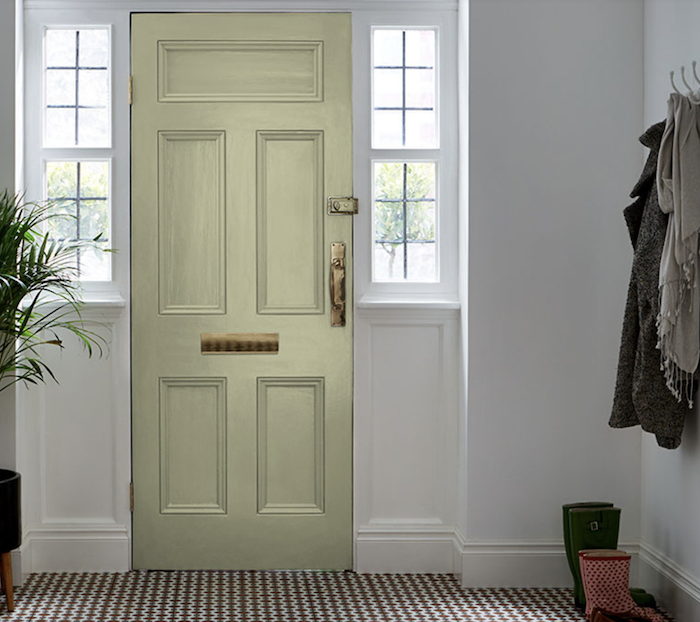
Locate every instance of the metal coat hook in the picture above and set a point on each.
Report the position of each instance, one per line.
(673, 84)
(690, 88)
(692, 94)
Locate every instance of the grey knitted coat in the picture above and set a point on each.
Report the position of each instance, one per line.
(641, 395)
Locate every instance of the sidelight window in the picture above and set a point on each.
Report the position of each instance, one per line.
(405, 117)
(77, 142)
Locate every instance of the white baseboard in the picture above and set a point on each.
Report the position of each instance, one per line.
(17, 574)
(405, 548)
(676, 590)
(514, 563)
(437, 548)
(71, 547)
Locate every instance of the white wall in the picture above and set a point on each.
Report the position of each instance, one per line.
(10, 60)
(7, 94)
(670, 536)
(552, 160)
(556, 92)
(7, 181)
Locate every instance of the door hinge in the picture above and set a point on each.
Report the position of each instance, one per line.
(342, 205)
(131, 90)
(131, 497)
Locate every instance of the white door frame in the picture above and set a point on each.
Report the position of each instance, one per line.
(96, 524)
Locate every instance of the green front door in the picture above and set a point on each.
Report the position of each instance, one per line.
(242, 388)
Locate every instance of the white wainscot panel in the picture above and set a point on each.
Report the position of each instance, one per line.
(79, 457)
(406, 419)
(75, 466)
(406, 399)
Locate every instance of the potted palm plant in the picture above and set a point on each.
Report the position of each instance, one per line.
(39, 301)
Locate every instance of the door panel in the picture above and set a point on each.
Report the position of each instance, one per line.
(238, 71)
(290, 223)
(291, 445)
(193, 484)
(242, 389)
(191, 172)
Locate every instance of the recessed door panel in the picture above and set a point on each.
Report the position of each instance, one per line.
(239, 71)
(290, 222)
(193, 445)
(290, 445)
(191, 222)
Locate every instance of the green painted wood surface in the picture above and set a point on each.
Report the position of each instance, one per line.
(241, 126)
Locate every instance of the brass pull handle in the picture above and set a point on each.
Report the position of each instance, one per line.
(337, 284)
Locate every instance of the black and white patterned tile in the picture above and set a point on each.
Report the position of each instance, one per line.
(279, 596)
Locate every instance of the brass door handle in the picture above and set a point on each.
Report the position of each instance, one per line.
(337, 284)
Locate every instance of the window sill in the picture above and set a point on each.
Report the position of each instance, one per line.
(96, 306)
(105, 306)
(407, 304)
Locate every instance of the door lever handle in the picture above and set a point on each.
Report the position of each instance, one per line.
(337, 284)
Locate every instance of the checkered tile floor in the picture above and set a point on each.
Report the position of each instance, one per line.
(279, 596)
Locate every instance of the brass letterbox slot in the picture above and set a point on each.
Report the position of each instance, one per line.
(240, 343)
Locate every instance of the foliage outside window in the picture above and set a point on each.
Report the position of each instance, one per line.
(404, 221)
(404, 115)
(79, 192)
(77, 117)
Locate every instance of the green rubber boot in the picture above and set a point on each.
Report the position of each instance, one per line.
(591, 528)
(571, 555)
(641, 597)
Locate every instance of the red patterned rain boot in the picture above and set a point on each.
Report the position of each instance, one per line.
(607, 552)
(605, 576)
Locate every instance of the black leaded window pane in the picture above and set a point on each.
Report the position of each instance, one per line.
(76, 87)
(79, 191)
(404, 89)
(404, 221)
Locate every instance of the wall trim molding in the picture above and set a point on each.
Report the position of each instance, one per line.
(404, 546)
(515, 563)
(430, 546)
(670, 570)
(410, 531)
(526, 547)
(75, 547)
(245, 5)
(78, 530)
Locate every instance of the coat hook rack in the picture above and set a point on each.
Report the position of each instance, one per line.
(693, 94)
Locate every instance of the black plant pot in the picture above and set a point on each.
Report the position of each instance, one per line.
(10, 511)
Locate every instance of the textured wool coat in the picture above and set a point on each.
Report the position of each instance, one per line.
(641, 395)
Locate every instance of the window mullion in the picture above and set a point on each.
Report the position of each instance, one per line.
(405, 221)
(77, 87)
(403, 99)
(77, 213)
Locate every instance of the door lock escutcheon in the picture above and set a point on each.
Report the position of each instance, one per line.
(342, 205)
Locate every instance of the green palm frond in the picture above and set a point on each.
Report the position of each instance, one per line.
(39, 294)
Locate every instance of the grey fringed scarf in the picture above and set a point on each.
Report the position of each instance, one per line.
(678, 181)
